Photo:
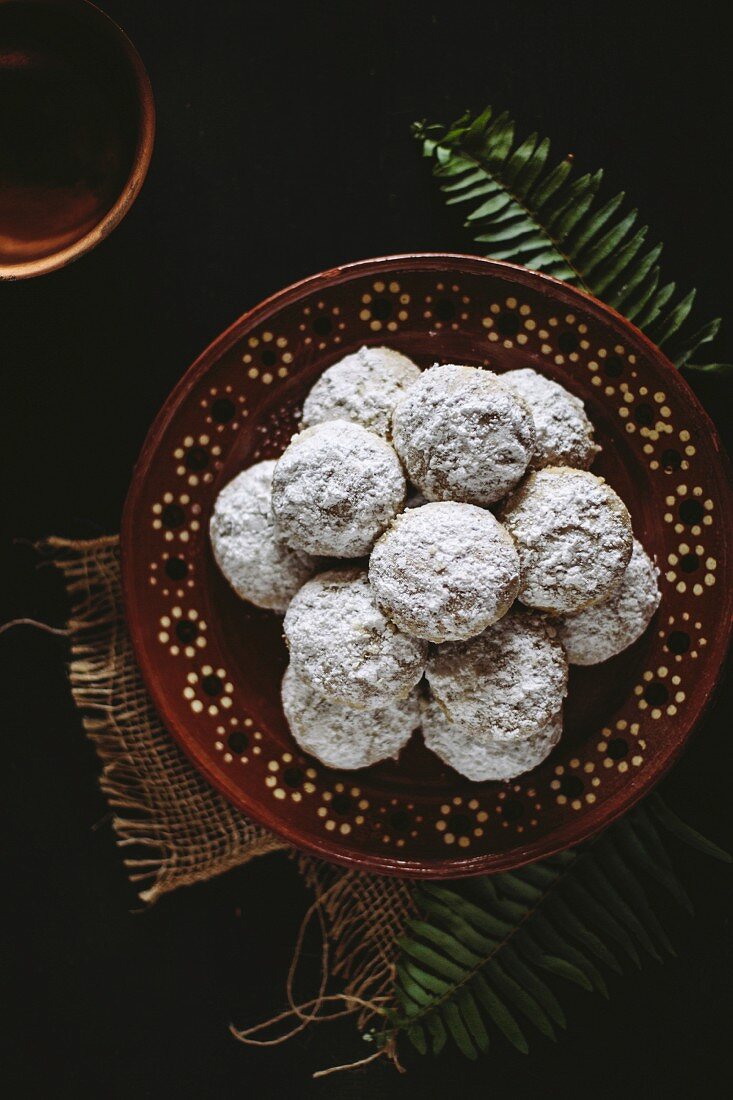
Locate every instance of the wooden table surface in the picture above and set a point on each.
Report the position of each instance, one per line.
(283, 148)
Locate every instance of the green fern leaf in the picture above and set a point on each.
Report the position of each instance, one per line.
(483, 955)
(684, 832)
(522, 209)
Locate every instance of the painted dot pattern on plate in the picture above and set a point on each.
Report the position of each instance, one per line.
(214, 663)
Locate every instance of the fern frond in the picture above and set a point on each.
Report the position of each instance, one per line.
(521, 208)
(482, 956)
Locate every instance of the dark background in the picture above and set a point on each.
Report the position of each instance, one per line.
(283, 148)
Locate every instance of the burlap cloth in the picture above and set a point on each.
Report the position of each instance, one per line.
(173, 827)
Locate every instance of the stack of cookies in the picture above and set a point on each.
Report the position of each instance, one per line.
(441, 553)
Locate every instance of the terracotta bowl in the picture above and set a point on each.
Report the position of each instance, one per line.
(76, 132)
(213, 663)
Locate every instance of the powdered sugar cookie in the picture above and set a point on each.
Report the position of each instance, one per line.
(573, 534)
(607, 628)
(336, 488)
(362, 387)
(249, 548)
(506, 683)
(345, 647)
(445, 571)
(345, 737)
(462, 435)
(480, 757)
(564, 432)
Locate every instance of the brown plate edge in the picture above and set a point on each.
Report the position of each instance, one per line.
(566, 836)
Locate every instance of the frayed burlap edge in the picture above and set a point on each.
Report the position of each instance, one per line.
(177, 830)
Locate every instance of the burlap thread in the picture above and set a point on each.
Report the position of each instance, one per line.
(174, 828)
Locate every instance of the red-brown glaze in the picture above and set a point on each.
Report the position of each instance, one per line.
(626, 720)
(76, 131)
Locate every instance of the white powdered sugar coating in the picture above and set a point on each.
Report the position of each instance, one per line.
(462, 435)
(481, 757)
(336, 488)
(445, 571)
(573, 534)
(602, 631)
(249, 548)
(564, 432)
(506, 683)
(345, 647)
(342, 736)
(362, 387)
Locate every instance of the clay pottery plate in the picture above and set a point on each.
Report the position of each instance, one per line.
(213, 663)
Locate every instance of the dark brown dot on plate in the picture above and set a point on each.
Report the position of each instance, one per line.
(237, 741)
(689, 563)
(507, 323)
(381, 308)
(223, 410)
(656, 693)
(176, 568)
(173, 515)
(567, 342)
(512, 809)
(197, 458)
(322, 325)
(691, 511)
(212, 684)
(459, 824)
(644, 415)
(613, 366)
(341, 804)
(268, 357)
(571, 786)
(678, 641)
(671, 460)
(186, 630)
(400, 821)
(617, 748)
(444, 310)
(293, 777)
